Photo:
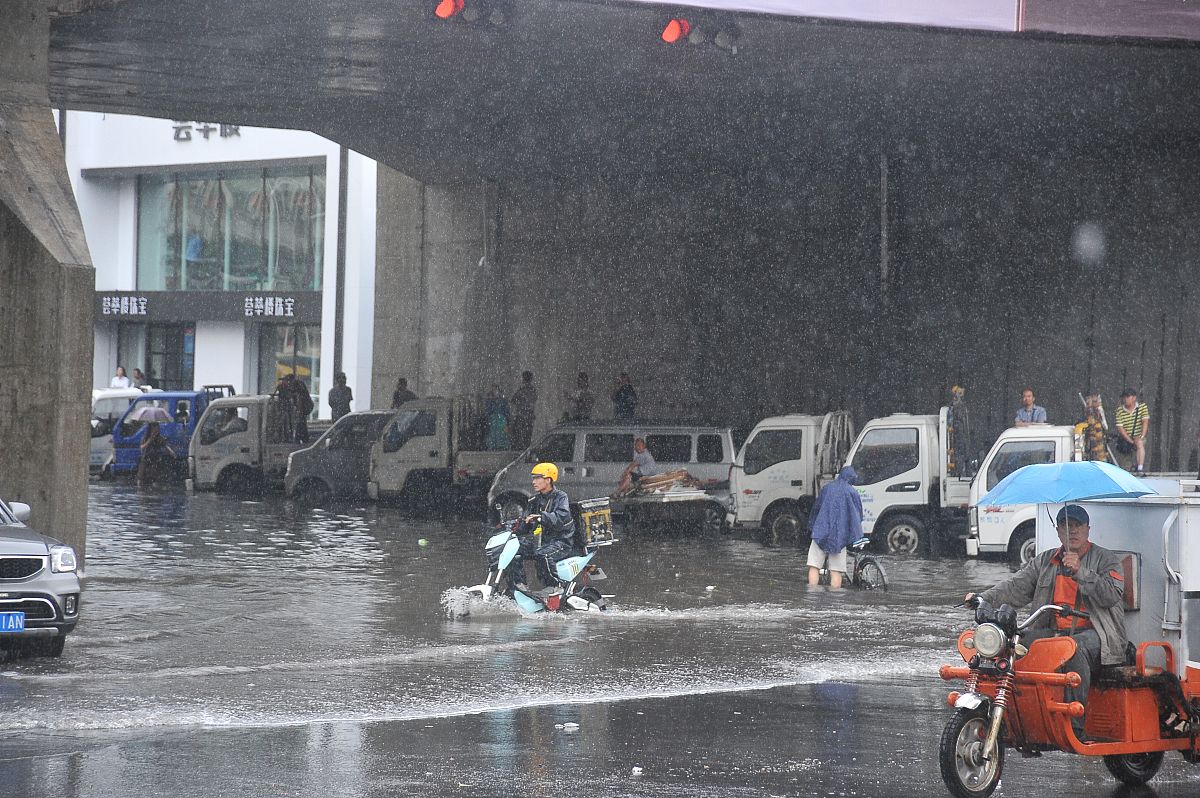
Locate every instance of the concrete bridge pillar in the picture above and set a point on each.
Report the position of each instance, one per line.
(46, 289)
(440, 290)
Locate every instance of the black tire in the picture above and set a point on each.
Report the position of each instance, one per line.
(965, 774)
(712, 520)
(903, 536)
(1022, 547)
(106, 472)
(593, 595)
(870, 575)
(511, 506)
(312, 492)
(1134, 769)
(785, 523)
(52, 647)
(238, 480)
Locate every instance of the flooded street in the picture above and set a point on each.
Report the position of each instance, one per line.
(242, 648)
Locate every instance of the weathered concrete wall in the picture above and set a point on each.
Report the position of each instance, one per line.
(730, 297)
(47, 284)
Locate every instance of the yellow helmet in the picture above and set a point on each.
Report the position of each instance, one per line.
(547, 470)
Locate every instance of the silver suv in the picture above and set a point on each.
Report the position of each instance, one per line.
(39, 586)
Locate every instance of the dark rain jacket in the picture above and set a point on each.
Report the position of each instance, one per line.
(1101, 584)
(554, 510)
(837, 513)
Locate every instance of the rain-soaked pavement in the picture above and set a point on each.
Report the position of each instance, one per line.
(256, 649)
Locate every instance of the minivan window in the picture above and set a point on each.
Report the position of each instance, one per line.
(668, 448)
(558, 448)
(709, 449)
(886, 453)
(609, 447)
(772, 446)
(1017, 454)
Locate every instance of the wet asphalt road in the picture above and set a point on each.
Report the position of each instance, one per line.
(258, 649)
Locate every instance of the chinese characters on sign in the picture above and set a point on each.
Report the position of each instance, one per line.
(270, 306)
(123, 305)
(183, 130)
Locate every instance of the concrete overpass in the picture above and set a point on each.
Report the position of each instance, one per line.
(839, 214)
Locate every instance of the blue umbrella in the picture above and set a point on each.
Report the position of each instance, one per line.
(1066, 482)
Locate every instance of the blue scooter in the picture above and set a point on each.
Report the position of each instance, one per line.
(575, 576)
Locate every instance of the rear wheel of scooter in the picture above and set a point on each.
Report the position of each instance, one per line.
(592, 595)
(869, 574)
(964, 770)
(1134, 769)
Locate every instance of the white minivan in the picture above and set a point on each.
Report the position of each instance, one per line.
(591, 456)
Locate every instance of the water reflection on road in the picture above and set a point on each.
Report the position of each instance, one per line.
(302, 633)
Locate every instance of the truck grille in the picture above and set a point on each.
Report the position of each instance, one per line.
(20, 567)
(35, 609)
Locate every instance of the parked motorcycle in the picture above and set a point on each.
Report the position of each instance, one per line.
(1014, 698)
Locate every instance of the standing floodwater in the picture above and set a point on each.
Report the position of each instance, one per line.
(298, 652)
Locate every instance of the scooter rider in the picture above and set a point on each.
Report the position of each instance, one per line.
(550, 509)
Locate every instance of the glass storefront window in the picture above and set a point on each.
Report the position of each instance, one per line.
(285, 349)
(248, 230)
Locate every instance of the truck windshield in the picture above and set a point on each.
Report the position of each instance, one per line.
(886, 453)
(406, 425)
(1018, 454)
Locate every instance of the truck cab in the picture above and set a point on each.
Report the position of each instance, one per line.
(181, 411)
(909, 492)
(781, 466)
(434, 449)
(243, 444)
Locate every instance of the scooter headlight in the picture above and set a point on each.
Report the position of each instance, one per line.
(989, 640)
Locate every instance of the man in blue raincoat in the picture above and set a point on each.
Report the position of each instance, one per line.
(836, 523)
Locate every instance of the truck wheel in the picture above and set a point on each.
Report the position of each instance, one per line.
(903, 535)
(312, 492)
(712, 520)
(237, 480)
(784, 523)
(1022, 547)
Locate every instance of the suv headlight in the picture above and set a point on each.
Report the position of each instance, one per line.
(989, 640)
(62, 559)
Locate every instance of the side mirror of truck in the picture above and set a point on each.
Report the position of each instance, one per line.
(21, 511)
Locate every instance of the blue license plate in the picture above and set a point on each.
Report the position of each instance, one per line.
(12, 622)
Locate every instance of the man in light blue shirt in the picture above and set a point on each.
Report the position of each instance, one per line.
(1029, 413)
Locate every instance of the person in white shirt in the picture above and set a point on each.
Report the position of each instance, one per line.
(120, 380)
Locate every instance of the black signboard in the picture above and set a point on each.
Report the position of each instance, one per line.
(281, 307)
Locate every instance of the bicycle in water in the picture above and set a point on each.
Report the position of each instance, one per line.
(865, 571)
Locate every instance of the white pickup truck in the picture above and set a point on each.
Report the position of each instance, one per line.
(1010, 529)
(242, 445)
(781, 466)
(433, 451)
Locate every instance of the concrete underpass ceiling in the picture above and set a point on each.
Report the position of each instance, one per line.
(567, 88)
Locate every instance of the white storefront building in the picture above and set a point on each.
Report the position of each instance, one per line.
(221, 252)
